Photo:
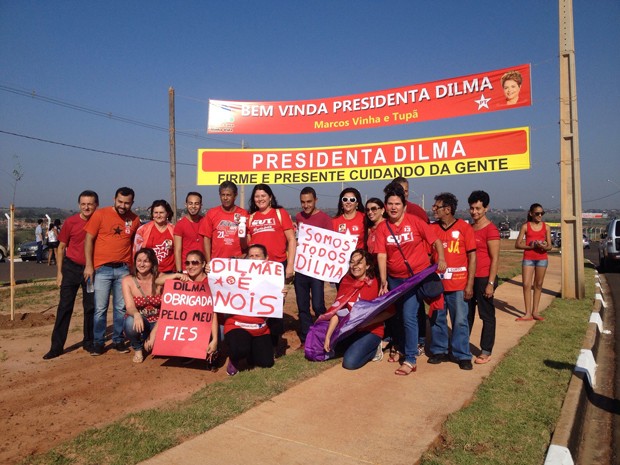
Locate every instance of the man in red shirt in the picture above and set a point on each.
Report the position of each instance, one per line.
(186, 235)
(459, 245)
(219, 226)
(107, 248)
(307, 287)
(70, 263)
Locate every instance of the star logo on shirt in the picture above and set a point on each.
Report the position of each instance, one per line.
(482, 102)
(118, 230)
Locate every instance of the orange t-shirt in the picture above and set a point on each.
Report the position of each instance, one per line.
(113, 235)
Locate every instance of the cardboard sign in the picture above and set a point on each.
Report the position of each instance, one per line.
(184, 327)
(247, 287)
(323, 254)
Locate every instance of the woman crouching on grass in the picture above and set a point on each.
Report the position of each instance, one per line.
(364, 344)
(195, 263)
(143, 301)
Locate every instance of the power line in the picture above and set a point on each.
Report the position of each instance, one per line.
(109, 115)
(79, 147)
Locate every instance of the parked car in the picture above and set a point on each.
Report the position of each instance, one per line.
(3, 253)
(556, 240)
(609, 247)
(28, 251)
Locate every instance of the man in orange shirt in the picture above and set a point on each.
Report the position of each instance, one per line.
(107, 249)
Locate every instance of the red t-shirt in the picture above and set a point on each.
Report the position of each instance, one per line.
(414, 209)
(369, 291)
(267, 229)
(113, 235)
(72, 234)
(413, 235)
(163, 245)
(187, 230)
(221, 227)
(457, 241)
(256, 326)
(371, 241)
(354, 226)
(319, 219)
(483, 259)
(531, 235)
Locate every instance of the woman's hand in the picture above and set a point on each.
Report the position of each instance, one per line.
(138, 323)
(384, 288)
(148, 344)
(212, 347)
(441, 265)
(489, 290)
(327, 344)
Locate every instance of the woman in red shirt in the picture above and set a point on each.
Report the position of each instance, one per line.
(360, 282)
(143, 302)
(158, 234)
(535, 241)
(350, 218)
(402, 244)
(375, 209)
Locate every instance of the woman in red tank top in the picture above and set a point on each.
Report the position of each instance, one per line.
(535, 241)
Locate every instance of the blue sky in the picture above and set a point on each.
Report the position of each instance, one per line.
(119, 58)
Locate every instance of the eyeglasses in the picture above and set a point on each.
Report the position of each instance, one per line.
(349, 199)
(538, 213)
(437, 207)
(371, 209)
(192, 262)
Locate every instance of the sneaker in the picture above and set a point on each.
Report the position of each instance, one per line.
(438, 358)
(379, 354)
(120, 347)
(465, 364)
(421, 350)
(231, 369)
(97, 350)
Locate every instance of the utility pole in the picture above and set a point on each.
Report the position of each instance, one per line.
(573, 276)
(173, 155)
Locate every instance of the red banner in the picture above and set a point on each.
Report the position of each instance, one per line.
(184, 326)
(481, 152)
(501, 89)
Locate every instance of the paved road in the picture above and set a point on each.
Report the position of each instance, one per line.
(27, 271)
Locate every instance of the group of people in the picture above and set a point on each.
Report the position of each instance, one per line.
(107, 250)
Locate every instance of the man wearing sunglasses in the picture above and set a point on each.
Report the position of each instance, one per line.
(308, 288)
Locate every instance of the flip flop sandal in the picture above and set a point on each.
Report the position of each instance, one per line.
(395, 355)
(482, 360)
(138, 357)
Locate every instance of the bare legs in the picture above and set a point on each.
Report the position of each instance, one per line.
(533, 277)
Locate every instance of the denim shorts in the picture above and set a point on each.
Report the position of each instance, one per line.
(541, 263)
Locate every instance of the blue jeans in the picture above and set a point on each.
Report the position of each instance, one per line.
(108, 280)
(306, 287)
(137, 339)
(407, 307)
(39, 251)
(458, 309)
(361, 348)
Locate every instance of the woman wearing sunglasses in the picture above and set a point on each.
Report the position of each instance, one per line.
(143, 301)
(375, 209)
(350, 216)
(195, 263)
(535, 241)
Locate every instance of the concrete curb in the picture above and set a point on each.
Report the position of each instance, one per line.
(566, 439)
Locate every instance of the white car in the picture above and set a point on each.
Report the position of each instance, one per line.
(609, 248)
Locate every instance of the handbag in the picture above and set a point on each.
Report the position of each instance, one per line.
(431, 287)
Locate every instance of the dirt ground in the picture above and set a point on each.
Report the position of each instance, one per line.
(43, 403)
